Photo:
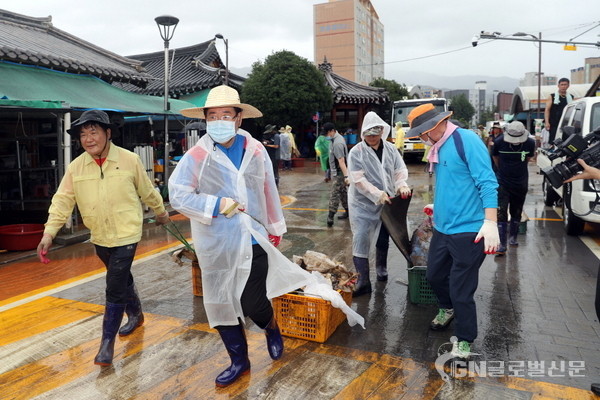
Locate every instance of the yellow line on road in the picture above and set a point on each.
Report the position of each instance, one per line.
(69, 283)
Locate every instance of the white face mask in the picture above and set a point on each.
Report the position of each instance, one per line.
(428, 142)
(220, 131)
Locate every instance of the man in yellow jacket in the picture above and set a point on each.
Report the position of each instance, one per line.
(107, 183)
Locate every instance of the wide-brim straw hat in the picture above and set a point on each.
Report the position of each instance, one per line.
(515, 133)
(425, 118)
(222, 96)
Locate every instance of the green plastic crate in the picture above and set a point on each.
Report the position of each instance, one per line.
(419, 290)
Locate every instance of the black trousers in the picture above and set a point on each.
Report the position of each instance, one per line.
(255, 303)
(453, 272)
(118, 262)
(511, 199)
(383, 240)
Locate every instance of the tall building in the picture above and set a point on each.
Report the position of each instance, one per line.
(349, 35)
(531, 79)
(588, 73)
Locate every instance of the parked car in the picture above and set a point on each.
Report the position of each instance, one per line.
(577, 198)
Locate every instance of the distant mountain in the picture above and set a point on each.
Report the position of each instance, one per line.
(243, 72)
(502, 84)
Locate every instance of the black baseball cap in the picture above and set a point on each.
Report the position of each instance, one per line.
(88, 116)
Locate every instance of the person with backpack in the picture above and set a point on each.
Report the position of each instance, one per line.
(465, 204)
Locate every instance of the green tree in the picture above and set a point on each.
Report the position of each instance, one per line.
(488, 115)
(463, 109)
(288, 89)
(395, 90)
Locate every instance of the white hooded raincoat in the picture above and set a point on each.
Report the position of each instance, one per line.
(368, 178)
(223, 245)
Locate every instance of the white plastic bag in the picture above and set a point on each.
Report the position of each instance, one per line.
(322, 288)
(545, 136)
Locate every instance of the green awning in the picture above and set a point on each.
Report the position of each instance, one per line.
(35, 84)
(30, 104)
(198, 98)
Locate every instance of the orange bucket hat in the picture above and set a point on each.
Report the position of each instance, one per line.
(425, 118)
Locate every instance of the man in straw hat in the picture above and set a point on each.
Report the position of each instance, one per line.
(107, 183)
(225, 185)
(511, 154)
(466, 201)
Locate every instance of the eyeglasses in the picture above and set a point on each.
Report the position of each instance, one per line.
(221, 118)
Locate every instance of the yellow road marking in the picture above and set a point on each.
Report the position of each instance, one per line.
(71, 282)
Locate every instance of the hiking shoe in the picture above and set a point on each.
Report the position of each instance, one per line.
(461, 349)
(343, 215)
(501, 251)
(442, 319)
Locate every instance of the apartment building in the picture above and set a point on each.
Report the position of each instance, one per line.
(349, 35)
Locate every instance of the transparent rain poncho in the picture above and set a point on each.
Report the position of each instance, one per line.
(223, 245)
(368, 178)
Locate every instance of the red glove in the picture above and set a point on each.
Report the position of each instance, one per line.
(275, 240)
(428, 209)
(43, 258)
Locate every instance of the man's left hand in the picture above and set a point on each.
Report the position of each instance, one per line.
(163, 219)
(491, 238)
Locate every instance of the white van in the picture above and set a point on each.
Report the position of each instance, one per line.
(583, 116)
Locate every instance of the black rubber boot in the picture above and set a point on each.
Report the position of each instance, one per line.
(381, 264)
(343, 215)
(502, 233)
(330, 219)
(274, 340)
(234, 339)
(113, 315)
(133, 309)
(363, 286)
(514, 231)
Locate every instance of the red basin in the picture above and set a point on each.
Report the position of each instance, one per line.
(20, 236)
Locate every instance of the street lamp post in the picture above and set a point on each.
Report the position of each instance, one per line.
(539, 74)
(166, 27)
(497, 36)
(219, 36)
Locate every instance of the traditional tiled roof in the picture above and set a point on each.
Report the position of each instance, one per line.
(347, 92)
(35, 41)
(194, 68)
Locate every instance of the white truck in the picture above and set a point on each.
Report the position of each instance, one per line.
(400, 111)
(579, 198)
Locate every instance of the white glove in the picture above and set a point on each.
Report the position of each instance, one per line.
(228, 207)
(404, 192)
(491, 238)
(383, 198)
(428, 209)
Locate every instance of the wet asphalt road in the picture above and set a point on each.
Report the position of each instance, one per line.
(534, 305)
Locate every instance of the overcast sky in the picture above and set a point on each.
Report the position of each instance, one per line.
(417, 33)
